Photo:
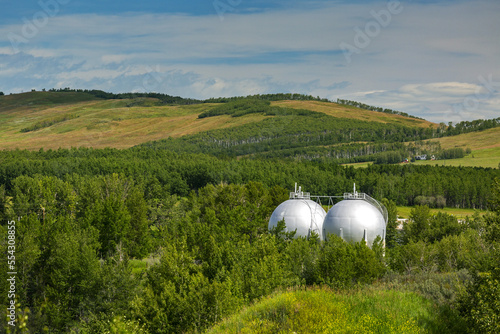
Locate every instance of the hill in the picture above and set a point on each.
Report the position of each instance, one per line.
(76, 119)
(326, 311)
(484, 146)
(256, 126)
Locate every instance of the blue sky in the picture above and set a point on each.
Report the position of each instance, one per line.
(437, 59)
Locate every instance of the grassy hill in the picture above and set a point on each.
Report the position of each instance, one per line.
(485, 147)
(325, 311)
(286, 128)
(124, 123)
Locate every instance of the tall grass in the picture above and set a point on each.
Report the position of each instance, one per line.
(322, 310)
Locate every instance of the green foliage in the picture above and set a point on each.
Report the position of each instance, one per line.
(392, 234)
(82, 213)
(117, 209)
(431, 201)
(452, 153)
(48, 122)
(178, 297)
(325, 311)
(238, 108)
(391, 157)
(342, 264)
(480, 304)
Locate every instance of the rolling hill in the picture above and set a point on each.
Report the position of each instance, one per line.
(285, 128)
(124, 123)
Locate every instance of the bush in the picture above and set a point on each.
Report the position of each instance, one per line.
(391, 157)
(453, 153)
(480, 304)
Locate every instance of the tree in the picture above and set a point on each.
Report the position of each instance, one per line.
(392, 234)
(493, 220)
(416, 228)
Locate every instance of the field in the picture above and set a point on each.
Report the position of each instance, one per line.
(485, 147)
(101, 124)
(404, 212)
(53, 120)
(337, 110)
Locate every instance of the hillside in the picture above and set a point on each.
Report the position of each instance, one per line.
(327, 311)
(485, 147)
(98, 123)
(250, 127)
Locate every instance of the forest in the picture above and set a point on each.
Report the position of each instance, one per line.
(172, 236)
(146, 240)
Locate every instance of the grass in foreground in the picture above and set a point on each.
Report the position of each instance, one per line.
(325, 311)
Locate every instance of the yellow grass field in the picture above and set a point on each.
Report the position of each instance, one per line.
(102, 124)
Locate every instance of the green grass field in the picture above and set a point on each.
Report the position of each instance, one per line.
(487, 157)
(365, 310)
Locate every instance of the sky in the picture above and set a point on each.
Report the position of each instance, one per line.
(435, 59)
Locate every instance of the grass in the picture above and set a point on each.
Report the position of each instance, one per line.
(321, 310)
(359, 164)
(138, 266)
(485, 147)
(341, 111)
(488, 158)
(106, 123)
(404, 211)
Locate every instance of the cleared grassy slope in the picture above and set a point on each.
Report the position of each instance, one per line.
(125, 123)
(326, 311)
(106, 123)
(485, 146)
(342, 111)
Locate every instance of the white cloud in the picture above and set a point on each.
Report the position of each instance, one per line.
(426, 60)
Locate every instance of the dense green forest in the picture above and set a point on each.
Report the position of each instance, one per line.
(148, 240)
(463, 187)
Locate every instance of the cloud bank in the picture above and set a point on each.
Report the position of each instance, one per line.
(437, 60)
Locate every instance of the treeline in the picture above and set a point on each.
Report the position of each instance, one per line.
(48, 122)
(209, 254)
(269, 97)
(463, 187)
(471, 126)
(167, 99)
(182, 101)
(247, 106)
(372, 108)
(443, 130)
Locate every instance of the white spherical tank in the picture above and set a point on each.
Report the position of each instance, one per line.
(354, 220)
(300, 214)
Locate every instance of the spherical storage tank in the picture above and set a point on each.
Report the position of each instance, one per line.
(358, 217)
(300, 214)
